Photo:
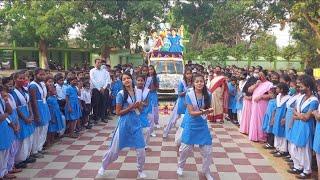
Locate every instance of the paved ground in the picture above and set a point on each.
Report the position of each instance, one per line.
(234, 158)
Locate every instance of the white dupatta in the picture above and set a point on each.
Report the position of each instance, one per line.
(292, 100)
(148, 82)
(300, 107)
(42, 89)
(2, 109)
(23, 99)
(192, 96)
(280, 101)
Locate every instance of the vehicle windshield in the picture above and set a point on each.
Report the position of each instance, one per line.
(168, 67)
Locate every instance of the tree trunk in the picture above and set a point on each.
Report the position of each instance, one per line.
(43, 54)
(105, 53)
(313, 24)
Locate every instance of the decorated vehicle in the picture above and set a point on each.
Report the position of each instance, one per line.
(169, 67)
(164, 51)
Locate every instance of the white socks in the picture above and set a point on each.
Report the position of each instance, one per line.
(208, 176)
(101, 171)
(180, 171)
(141, 175)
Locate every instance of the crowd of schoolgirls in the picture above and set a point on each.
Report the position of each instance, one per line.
(290, 122)
(38, 108)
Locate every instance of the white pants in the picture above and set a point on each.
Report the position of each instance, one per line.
(24, 149)
(113, 153)
(64, 125)
(239, 115)
(302, 158)
(40, 136)
(12, 154)
(146, 134)
(280, 143)
(4, 157)
(290, 148)
(187, 150)
(178, 136)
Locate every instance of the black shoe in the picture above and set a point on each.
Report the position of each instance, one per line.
(108, 118)
(89, 126)
(30, 160)
(104, 121)
(44, 152)
(288, 160)
(294, 171)
(279, 154)
(303, 176)
(274, 152)
(268, 146)
(21, 165)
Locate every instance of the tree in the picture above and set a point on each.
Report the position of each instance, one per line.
(218, 52)
(228, 22)
(303, 17)
(118, 24)
(44, 22)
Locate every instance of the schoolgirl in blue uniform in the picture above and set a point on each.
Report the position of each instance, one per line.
(7, 135)
(26, 134)
(303, 128)
(268, 119)
(40, 110)
(152, 83)
(180, 106)
(316, 141)
(240, 96)
(128, 133)
(13, 117)
(232, 109)
(294, 93)
(116, 86)
(56, 121)
(196, 131)
(72, 107)
(145, 111)
(278, 129)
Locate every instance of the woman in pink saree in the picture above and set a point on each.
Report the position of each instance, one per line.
(247, 103)
(259, 106)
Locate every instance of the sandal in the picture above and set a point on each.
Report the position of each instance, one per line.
(73, 136)
(294, 171)
(303, 176)
(15, 170)
(268, 146)
(288, 160)
(274, 152)
(279, 154)
(148, 149)
(9, 176)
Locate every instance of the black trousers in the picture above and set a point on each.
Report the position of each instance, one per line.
(99, 104)
(270, 139)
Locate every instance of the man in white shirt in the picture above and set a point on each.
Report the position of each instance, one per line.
(100, 82)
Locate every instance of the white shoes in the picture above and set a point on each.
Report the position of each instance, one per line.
(164, 136)
(141, 175)
(153, 134)
(101, 171)
(158, 126)
(180, 171)
(208, 176)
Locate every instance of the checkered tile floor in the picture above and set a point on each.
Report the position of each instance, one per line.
(234, 158)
